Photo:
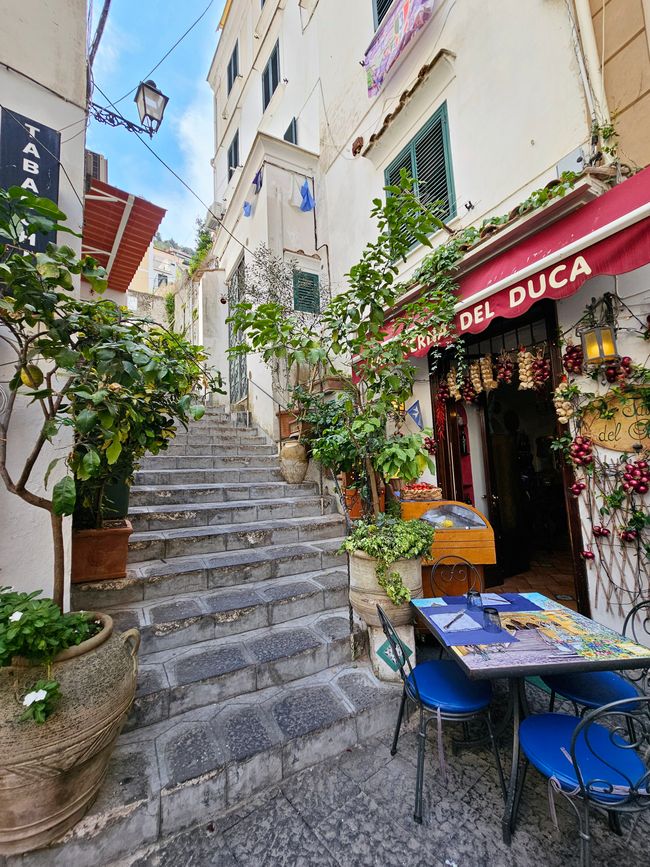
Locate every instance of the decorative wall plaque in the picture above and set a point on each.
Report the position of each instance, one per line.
(624, 424)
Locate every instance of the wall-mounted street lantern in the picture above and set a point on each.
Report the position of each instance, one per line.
(151, 104)
(598, 336)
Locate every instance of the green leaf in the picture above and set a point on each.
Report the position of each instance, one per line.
(64, 495)
(90, 463)
(197, 411)
(113, 451)
(86, 420)
(51, 466)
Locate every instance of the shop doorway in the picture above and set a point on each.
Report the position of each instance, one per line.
(498, 456)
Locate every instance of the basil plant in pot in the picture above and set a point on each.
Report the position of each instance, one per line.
(386, 566)
(118, 386)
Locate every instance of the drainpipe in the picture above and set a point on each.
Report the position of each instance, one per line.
(589, 61)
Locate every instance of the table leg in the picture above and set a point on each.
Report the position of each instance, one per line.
(515, 686)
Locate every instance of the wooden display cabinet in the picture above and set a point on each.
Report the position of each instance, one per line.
(461, 531)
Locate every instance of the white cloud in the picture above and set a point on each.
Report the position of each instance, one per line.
(193, 131)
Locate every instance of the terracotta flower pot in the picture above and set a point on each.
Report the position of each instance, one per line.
(99, 555)
(366, 594)
(50, 773)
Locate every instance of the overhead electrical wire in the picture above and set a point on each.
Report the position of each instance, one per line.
(181, 180)
(166, 55)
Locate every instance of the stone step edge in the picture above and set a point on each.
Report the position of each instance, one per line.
(237, 620)
(224, 529)
(224, 505)
(158, 576)
(164, 699)
(114, 830)
(200, 486)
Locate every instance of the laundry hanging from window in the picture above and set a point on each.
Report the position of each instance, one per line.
(256, 186)
(302, 196)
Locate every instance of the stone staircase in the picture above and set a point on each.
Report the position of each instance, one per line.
(246, 677)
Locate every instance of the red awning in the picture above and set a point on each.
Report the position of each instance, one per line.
(610, 235)
(118, 228)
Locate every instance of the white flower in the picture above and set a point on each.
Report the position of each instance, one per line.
(15, 617)
(31, 697)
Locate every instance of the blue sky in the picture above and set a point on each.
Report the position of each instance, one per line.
(137, 35)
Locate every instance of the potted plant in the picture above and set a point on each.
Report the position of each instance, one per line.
(69, 677)
(89, 367)
(58, 719)
(385, 566)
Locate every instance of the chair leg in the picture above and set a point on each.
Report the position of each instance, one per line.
(518, 793)
(497, 757)
(585, 847)
(393, 749)
(419, 778)
(614, 820)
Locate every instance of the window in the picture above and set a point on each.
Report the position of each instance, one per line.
(163, 280)
(291, 135)
(306, 292)
(380, 8)
(233, 66)
(427, 158)
(271, 76)
(233, 155)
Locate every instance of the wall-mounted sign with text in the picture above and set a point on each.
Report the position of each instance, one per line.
(624, 424)
(29, 158)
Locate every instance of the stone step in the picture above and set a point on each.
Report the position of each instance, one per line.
(199, 446)
(213, 539)
(156, 579)
(171, 682)
(146, 518)
(166, 495)
(214, 476)
(206, 462)
(201, 616)
(215, 423)
(184, 771)
(238, 435)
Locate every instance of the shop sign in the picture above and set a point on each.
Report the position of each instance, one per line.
(558, 281)
(29, 158)
(625, 425)
(397, 32)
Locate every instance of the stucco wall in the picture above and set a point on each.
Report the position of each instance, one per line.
(44, 39)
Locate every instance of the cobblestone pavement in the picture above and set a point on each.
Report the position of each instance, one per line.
(357, 810)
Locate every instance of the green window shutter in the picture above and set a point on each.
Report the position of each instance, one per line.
(381, 8)
(306, 292)
(403, 161)
(433, 164)
(427, 158)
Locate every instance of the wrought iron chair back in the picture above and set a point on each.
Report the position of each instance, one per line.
(400, 656)
(460, 570)
(637, 627)
(628, 722)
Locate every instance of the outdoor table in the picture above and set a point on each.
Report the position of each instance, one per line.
(549, 639)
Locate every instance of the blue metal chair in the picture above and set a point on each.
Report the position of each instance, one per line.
(441, 692)
(592, 761)
(595, 688)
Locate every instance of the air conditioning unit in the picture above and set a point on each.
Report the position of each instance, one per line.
(216, 213)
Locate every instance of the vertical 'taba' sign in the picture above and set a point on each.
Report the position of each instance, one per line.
(29, 158)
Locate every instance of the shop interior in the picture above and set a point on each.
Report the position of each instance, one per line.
(507, 469)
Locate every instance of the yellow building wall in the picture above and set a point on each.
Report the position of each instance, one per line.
(622, 29)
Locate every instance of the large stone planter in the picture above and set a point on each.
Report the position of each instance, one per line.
(50, 773)
(366, 594)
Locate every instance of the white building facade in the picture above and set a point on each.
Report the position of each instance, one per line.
(43, 92)
(484, 105)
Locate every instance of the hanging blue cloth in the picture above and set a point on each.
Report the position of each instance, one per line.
(257, 181)
(416, 414)
(248, 209)
(308, 202)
